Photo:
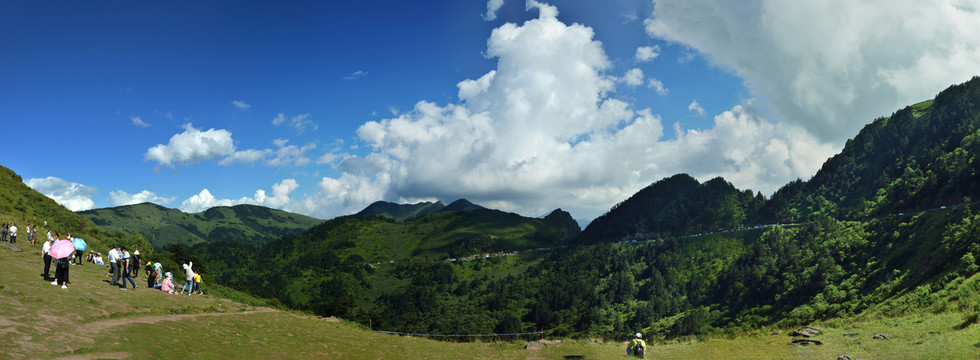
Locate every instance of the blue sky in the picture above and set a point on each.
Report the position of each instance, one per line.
(324, 107)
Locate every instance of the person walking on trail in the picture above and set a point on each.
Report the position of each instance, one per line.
(13, 234)
(126, 265)
(114, 265)
(136, 264)
(46, 256)
(637, 346)
(6, 229)
(189, 285)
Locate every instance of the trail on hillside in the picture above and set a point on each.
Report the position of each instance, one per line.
(153, 319)
(102, 325)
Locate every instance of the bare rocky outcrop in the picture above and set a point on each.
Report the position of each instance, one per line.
(805, 331)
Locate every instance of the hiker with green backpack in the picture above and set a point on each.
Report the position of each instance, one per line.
(637, 346)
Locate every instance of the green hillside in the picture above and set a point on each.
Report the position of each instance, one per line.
(22, 206)
(349, 266)
(246, 224)
(921, 157)
(676, 206)
(401, 212)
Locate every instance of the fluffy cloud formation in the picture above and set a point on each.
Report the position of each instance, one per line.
(120, 198)
(540, 131)
(647, 53)
(191, 147)
(831, 66)
(278, 198)
(492, 7)
(74, 196)
(633, 77)
(657, 86)
(696, 108)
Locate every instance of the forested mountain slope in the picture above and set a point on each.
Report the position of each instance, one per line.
(401, 212)
(921, 157)
(343, 266)
(675, 206)
(248, 224)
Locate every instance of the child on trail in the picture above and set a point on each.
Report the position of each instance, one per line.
(637, 346)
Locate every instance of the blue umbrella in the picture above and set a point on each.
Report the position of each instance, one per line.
(79, 244)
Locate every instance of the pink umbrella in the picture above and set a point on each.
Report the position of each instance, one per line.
(61, 249)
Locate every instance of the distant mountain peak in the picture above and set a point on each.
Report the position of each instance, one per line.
(401, 212)
(462, 205)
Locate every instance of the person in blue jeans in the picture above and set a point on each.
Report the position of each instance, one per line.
(126, 266)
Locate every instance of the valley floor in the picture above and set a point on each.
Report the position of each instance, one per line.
(93, 320)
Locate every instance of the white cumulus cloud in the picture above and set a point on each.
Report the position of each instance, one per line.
(647, 53)
(541, 131)
(72, 195)
(696, 108)
(633, 77)
(278, 198)
(492, 7)
(831, 66)
(191, 147)
(120, 198)
(657, 86)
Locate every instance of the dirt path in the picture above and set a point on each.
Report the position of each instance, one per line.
(105, 324)
(102, 325)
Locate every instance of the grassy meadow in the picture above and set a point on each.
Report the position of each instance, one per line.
(93, 320)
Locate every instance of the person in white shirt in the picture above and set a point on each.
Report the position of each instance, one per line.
(45, 250)
(13, 234)
(114, 265)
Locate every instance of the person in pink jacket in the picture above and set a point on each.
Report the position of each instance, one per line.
(168, 284)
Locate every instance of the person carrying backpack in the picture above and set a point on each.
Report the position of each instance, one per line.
(637, 346)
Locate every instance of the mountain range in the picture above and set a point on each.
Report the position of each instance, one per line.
(248, 224)
(886, 227)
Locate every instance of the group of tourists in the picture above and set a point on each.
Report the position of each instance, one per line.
(11, 230)
(156, 279)
(123, 266)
